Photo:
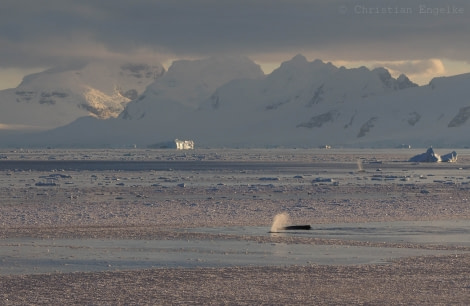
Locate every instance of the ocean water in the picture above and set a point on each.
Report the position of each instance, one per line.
(37, 175)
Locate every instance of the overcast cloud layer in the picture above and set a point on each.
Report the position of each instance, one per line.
(50, 32)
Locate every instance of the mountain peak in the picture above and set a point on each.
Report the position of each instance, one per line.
(297, 62)
(404, 82)
(299, 58)
(300, 68)
(401, 82)
(188, 82)
(60, 95)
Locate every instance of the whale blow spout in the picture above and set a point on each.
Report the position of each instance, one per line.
(280, 224)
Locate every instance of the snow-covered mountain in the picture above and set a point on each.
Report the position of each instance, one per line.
(316, 104)
(187, 83)
(60, 95)
(220, 102)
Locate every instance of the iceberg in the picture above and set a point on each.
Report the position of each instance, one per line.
(431, 157)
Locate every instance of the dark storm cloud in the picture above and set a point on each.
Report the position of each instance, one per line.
(51, 31)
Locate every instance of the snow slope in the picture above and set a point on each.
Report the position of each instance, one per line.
(300, 104)
(59, 96)
(187, 83)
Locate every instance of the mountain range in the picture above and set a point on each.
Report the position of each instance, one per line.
(61, 95)
(229, 102)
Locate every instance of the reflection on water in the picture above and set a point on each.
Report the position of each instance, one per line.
(443, 232)
(30, 255)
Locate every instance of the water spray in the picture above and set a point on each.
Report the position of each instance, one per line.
(359, 166)
(280, 224)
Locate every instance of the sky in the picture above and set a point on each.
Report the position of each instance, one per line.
(421, 38)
